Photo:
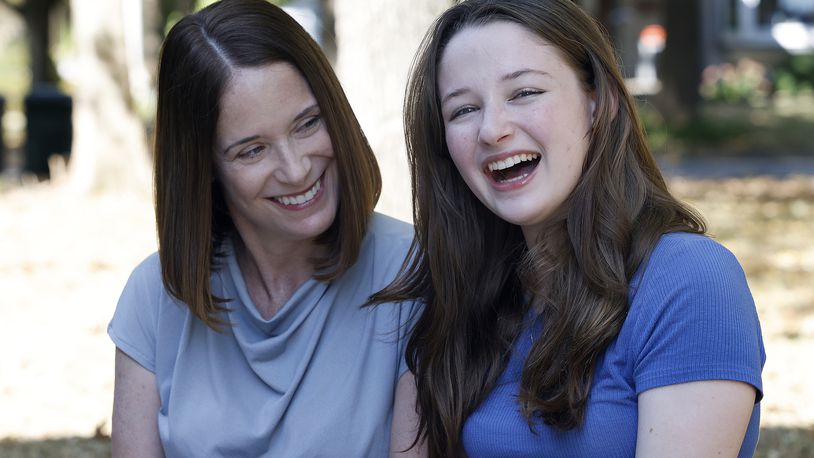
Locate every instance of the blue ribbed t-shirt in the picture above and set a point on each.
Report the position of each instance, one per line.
(691, 318)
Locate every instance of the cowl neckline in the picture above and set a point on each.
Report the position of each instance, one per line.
(242, 311)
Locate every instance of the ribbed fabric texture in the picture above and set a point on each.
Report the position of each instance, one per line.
(691, 318)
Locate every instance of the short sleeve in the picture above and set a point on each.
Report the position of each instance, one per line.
(135, 321)
(694, 317)
(389, 244)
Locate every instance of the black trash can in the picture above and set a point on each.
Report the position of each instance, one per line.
(49, 129)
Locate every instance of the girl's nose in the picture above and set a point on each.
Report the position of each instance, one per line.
(495, 126)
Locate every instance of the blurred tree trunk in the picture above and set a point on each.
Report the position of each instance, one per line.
(680, 62)
(376, 42)
(109, 148)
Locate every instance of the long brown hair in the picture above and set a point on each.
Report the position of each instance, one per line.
(198, 57)
(475, 272)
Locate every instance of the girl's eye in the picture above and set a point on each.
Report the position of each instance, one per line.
(525, 93)
(461, 111)
(251, 152)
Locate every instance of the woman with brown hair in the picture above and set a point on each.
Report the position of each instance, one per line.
(573, 306)
(244, 335)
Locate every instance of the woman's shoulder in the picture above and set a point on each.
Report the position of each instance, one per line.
(142, 304)
(144, 294)
(382, 253)
(149, 268)
(389, 228)
(145, 278)
(387, 238)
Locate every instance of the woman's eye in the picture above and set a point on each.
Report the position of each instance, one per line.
(309, 124)
(251, 152)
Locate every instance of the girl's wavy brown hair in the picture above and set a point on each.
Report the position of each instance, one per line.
(475, 272)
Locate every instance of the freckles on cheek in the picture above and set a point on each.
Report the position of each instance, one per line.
(458, 143)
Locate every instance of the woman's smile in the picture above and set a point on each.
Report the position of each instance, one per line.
(301, 200)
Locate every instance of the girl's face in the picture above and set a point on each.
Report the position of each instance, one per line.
(517, 120)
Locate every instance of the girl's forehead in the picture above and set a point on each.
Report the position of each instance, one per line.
(497, 50)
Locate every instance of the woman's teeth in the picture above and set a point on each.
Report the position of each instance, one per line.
(511, 161)
(302, 198)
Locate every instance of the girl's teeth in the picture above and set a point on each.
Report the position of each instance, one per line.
(511, 161)
(302, 198)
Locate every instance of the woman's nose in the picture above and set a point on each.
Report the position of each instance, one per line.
(293, 167)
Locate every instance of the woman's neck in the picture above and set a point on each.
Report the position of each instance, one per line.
(273, 273)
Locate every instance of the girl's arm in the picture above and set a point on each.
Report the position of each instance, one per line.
(696, 419)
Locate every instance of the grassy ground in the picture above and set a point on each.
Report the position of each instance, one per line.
(65, 259)
(768, 224)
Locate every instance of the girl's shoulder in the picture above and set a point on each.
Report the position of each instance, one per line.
(691, 259)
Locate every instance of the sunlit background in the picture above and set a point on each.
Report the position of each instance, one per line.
(725, 87)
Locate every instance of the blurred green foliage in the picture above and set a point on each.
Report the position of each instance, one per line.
(726, 129)
(745, 81)
(747, 108)
(796, 74)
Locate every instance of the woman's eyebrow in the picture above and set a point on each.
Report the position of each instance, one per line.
(305, 112)
(240, 142)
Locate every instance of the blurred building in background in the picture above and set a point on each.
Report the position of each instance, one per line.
(725, 30)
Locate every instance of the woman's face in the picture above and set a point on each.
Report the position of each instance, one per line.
(517, 120)
(274, 156)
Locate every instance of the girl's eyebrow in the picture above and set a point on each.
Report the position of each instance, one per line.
(519, 73)
(454, 93)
